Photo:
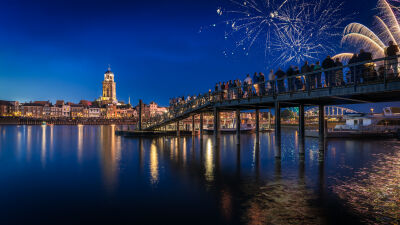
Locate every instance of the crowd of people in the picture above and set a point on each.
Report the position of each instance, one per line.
(329, 73)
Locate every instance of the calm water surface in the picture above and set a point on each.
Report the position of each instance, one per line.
(87, 175)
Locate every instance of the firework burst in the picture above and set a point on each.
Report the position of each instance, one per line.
(387, 29)
(288, 31)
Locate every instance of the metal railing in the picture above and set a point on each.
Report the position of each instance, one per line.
(382, 70)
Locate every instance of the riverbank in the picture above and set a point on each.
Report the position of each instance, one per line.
(64, 121)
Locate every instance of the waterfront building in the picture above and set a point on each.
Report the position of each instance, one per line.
(34, 110)
(125, 111)
(46, 108)
(5, 108)
(94, 112)
(60, 103)
(155, 109)
(76, 110)
(150, 110)
(66, 110)
(56, 111)
(9, 108)
(109, 89)
(131, 113)
(111, 111)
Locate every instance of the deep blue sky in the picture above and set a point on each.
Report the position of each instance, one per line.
(60, 49)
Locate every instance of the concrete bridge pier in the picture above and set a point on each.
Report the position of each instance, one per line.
(238, 123)
(278, 137)
(216, 125)
(201, 126)
(321, 128)
(257, 126)
(301, 130)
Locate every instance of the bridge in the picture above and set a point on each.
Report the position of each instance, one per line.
(365, 82)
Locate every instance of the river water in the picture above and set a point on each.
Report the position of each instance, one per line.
(87, 175)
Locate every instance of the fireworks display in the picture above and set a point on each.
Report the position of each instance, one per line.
(287, 31)
(387, 29)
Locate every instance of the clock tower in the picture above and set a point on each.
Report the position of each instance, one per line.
(109, 88)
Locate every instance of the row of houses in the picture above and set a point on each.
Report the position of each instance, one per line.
(84, 109)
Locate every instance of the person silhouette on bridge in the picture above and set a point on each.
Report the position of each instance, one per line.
(290, 78)
(248, 83)
(327, 64)
(392, 60)
(306, 69)
(365, 68)
(318, 75)
(339, 72)
(280, 76)
(261, 80)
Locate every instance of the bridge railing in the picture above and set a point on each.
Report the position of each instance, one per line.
(382, 70)
(180, 109)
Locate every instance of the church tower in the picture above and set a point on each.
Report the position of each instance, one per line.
(109, 88)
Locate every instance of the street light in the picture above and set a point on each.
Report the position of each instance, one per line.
(372, 110)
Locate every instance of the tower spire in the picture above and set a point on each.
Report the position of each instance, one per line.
(109, 67)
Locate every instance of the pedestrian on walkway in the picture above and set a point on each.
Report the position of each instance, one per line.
(392, 59)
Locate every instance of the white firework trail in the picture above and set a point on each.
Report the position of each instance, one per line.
(387, 26)
(294, 30)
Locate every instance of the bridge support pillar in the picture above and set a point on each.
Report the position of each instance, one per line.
(178, 131)
(193, 127)
(238, 123)
(216, 125)
(201, 126)
(277, 130)
(321, 128)
(301, 130)
(257, 126)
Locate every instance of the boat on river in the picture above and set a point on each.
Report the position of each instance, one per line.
(385, 124)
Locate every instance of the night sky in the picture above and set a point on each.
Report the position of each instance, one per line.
(60, 49)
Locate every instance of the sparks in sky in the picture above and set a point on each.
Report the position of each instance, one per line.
(387, 29)
(287, 31)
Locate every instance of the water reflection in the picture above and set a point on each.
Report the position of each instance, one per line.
(238, 160)
(141, 154)
(241, 184)
(153, 163)
(209, 164)
(28, 142)
(374, 191)
(51, 142)
(43, 151)
(80, 143)
(111, 155)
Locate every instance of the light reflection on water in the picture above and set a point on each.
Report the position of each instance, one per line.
(154, 163)
(90, 167)
(375, 190)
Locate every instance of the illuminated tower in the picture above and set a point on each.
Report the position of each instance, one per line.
(109, 88)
